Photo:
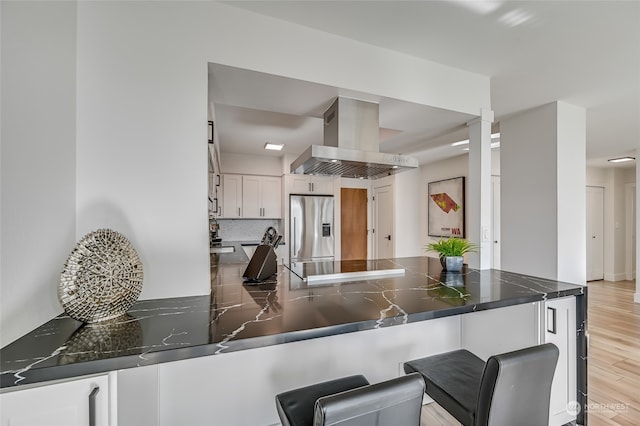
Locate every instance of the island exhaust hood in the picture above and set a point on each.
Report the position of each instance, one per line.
(351, 145)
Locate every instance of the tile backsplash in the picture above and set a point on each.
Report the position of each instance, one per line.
(246, 229)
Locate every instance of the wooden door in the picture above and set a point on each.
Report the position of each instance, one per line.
(353, 222)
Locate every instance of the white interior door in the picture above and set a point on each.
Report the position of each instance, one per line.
(630, 233)
(595, 231)
(495, 225)
(383, 222)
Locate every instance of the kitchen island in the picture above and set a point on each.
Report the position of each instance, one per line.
(252, 341)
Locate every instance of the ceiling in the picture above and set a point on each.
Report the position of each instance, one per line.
(586, 53)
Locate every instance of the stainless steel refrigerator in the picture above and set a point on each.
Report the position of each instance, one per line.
(311, 222)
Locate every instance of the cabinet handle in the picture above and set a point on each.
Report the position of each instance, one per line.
(238, 211)
(217, 180)
(310, 190)
(92, 405)
(551, 320)
(313, 188)
(217, 206)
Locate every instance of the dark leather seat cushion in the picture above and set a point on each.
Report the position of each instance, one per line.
(295, 407)
(453, 380)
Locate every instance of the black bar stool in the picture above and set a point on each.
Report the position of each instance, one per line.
(352, 401)
(513, 388)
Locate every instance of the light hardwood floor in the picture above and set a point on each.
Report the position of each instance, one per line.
(614, 359)
(614, 354)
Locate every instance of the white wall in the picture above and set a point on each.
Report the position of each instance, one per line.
(141, 137)
(543, 192)
(250, 164)
(145, 91)
(140, 130)
(446, 169)
(38, 160)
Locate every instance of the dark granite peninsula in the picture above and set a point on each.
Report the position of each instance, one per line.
(207, 356)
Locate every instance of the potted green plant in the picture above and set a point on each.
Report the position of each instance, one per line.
(451, 251)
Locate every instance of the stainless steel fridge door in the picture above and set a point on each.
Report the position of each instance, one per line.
(311, 221)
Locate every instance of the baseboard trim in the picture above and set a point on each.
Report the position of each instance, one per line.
(615, 277)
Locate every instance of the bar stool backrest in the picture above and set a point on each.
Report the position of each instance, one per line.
(395, 402)
(516, 387)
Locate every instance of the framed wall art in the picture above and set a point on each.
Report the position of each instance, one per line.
(445, 201)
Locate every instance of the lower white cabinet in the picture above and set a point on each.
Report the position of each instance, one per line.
(560, 329)
(81, 402)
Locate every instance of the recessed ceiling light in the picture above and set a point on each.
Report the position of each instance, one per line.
(621, 159)
(273, 146)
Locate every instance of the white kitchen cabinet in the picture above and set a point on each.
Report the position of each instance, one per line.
(306, 184)
(261, 197)
(81, 402)
(560, 329)
(231, 207)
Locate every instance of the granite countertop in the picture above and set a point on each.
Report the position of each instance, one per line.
(237, 316)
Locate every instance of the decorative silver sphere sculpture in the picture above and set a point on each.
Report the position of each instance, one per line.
(102, 278)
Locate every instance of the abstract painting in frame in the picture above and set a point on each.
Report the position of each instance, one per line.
(445, 201)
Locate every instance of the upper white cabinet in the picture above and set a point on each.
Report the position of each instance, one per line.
(306, 184)
(262, 197)
(251, 197)
(231, 207)
(78, 402)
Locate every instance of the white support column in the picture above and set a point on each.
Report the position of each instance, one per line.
(479, 205)
(636, 297)
(543, 169)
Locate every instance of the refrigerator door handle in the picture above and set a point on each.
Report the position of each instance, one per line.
(294, 236)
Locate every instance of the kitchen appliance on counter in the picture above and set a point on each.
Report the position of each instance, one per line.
(214, 227)
(311, 234)
(263, 263)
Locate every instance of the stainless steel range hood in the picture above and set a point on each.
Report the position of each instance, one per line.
(351, 145)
